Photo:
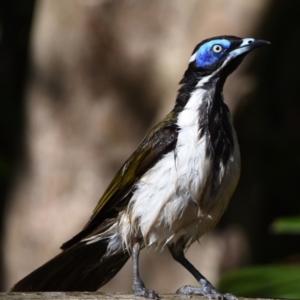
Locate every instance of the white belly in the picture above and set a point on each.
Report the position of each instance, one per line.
(171, 199)
(167, 202)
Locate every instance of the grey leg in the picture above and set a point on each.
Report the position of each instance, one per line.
(206, 288)
(138, 286)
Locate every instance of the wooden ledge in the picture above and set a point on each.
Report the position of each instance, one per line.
(98, 295)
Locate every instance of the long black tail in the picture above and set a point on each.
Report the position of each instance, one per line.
(83, 267)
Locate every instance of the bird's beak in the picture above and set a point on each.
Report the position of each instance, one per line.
(248, 45)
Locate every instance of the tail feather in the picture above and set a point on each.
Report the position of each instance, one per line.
(82, 267)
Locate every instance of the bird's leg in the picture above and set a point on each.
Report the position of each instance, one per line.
(138, 286)
(206, 288)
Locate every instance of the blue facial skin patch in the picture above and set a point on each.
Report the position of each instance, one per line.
(206, 56)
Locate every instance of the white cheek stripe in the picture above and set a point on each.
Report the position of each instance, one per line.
(239, 51)
(193, 57)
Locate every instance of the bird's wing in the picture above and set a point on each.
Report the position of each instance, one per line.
(160, 140)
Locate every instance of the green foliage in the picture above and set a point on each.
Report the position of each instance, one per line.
(278, 281)
(264, 281)
(290, 225)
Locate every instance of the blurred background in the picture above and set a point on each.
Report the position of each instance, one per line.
(82, 82)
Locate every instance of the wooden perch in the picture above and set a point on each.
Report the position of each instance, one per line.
(97, 295)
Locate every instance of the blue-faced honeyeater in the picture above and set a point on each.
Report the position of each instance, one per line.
(171, 190)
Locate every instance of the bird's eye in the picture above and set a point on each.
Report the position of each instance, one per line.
(217, 48)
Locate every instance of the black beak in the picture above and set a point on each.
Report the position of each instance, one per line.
(248, 45)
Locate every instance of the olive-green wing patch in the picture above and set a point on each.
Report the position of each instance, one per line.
(160, 140)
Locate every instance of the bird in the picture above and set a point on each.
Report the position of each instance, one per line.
(172, 190)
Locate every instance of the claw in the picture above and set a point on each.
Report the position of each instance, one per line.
(207, 290)
(229, 296)
(140, 290)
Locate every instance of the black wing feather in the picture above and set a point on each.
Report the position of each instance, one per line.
(160, 140)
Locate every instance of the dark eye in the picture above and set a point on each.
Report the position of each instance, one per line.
(217, 48)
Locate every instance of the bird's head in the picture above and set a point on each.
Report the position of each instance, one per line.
(219, 56)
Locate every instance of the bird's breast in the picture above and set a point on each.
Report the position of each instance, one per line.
(170, 200)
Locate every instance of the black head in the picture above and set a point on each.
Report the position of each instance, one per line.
(219, 56)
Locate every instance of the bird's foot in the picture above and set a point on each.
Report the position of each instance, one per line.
(140, 290)
(205, 289)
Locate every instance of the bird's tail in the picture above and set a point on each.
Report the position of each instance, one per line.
(82, 267)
